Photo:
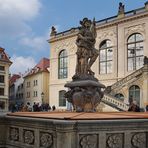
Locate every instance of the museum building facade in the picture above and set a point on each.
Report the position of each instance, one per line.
(122, 66)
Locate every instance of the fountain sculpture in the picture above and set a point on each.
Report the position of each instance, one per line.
(85, 91)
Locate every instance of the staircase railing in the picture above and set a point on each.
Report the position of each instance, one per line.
(114, 102)
(127, 78)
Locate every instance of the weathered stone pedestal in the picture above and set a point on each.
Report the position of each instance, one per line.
(84, 95)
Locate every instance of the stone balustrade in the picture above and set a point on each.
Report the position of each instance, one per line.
(128, 78)
(114, 102)
(74, 130)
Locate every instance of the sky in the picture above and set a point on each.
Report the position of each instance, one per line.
(25, 24)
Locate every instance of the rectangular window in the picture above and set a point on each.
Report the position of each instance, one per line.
(2, 68)
(139, 62)
(35, 93)
(131, 64)
(2, 78)
(35, 82)
(1, 91)
(62, 99)
(109, 67)
(28, 84)
(102, 68)
(28, 94)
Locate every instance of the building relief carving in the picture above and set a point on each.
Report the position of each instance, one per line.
(29, 137)
(139, 140)
(67, 44)
(46, 139)
(88, 141)
(14, 134)
(114, 141)
(134, 29)
(110, 34)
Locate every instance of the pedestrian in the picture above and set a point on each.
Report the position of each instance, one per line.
(53, 108)
(134, 107)
(146, 108)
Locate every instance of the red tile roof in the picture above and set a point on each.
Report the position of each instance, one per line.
(3, 56)
(40, 67)
(43, 64)
(13, 79)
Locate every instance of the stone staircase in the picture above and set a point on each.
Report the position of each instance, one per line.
(114, 102)
(129, 78)
(110, 91)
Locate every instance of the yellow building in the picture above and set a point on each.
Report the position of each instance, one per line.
(122, 42)
(36, 83)
(4, 80)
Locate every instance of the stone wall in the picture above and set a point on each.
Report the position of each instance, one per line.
(49, 133)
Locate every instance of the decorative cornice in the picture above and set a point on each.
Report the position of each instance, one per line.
(116, 21)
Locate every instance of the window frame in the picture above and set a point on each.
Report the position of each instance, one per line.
(62, 99)
(63, 57)
(135, 51)
(106, 61)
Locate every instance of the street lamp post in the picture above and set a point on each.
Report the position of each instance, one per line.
(42, 96)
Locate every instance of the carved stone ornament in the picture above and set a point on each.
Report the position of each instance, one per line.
(135, 29)
(67, 44)
(139, 140)
(121, 9)
(145, 60)
(109, 34)
(88, 141)
(46, 140)
(53, 31)
(115, 141)
(28, 137)
(14, 134)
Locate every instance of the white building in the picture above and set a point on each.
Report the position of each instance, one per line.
(122, 42)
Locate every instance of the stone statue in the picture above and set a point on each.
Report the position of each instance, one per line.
(86, 52)
(121, 9)
(85, 92)
(53, 31)
(145, 60)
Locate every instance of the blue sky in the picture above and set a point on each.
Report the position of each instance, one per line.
(25, 24)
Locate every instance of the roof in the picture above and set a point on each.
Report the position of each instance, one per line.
(40, 67)
(13, 79)
(3, 56)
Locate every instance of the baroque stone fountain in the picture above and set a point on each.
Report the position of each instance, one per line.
(85, 91)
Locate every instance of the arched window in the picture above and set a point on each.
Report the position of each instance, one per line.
(135, 51)
(62, 99)
(120, 96)
(62, 67)
(106, 57)
(134, 93)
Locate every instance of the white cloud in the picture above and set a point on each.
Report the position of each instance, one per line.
(21, 64)
(14, 15)
(36, 42)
